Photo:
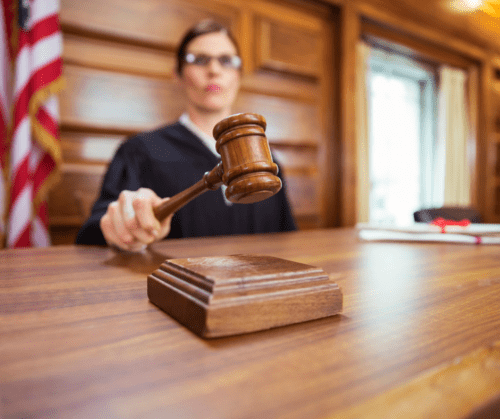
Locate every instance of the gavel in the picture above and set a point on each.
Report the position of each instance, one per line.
(246, 166)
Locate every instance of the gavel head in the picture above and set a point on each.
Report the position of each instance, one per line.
(249, 171)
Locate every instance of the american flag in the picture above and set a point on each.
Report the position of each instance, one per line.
(30, 154)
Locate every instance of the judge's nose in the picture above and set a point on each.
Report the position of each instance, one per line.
(214, 66)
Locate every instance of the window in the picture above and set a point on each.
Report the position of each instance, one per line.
(402, 136)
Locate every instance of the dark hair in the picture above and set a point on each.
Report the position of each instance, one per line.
(202, 28)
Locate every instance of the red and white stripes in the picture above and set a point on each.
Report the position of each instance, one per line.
(5, 83)
(36, 67)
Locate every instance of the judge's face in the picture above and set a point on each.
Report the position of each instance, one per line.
(210, 86)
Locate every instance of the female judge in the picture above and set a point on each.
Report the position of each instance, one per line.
(163, 162)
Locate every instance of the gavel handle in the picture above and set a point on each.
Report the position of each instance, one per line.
(211, 180)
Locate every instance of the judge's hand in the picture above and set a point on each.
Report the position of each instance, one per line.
(129, 222)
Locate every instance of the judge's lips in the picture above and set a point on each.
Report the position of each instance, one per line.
(213, 88)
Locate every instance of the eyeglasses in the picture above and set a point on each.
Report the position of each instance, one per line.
(226, 61)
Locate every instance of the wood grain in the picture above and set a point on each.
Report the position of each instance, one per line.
(301, 173)
(490, 127)
(288, 49)
(71, 201)
(236, 294)
(476, 143)
(427, 20)
(474, 382)
(303, 194)
(154, 22)
(106, 54)
(282, 85)
(80, 147)
(351, 33)
(287, 119)
(419, 49)
(109, 100)
(80, 339)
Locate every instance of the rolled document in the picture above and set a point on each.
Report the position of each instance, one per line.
(420, 232)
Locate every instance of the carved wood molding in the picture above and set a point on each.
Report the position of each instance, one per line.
(272, 37)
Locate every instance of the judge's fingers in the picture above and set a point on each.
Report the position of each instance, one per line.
(108, 229)
(143, 204)
(165, 224)
(132, 204)
(114, 232)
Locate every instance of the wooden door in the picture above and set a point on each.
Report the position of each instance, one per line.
(119, 58)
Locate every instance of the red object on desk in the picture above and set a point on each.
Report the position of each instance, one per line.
(442, 223)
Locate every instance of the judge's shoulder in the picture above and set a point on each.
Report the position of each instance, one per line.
(155, 140)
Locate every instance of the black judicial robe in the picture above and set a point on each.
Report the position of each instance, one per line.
(169, 160)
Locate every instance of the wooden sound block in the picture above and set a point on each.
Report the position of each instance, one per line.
(230, 295)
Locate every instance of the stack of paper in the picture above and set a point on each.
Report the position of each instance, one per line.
(473, 233)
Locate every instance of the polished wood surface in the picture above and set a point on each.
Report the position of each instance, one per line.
(474, 382)
(79, 338)
(231, 295)
(246, 166)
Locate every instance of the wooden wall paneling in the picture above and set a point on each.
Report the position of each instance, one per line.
(290, 46)
(134, 42)
(496, 155)
(104, 99)
(278, 49)
(473, 142)
(296, 13)
(414, 46)
(491, 128)
(350, 35)
(63, 234)
(70, 202)
(299, 163)
(473, 27)
(330, 150)
(496, 202)
(296, 157)
(119, 60)
(79, 147)
(292, 126)
(289, 120)
(134, 103)
(494, 138)
(150, 22)
(289, 49)
(303, 196)
(106, 54)
(421, 22)
(245, 39)
(277, 84)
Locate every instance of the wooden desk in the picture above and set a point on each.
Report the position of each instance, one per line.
(79, 338)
